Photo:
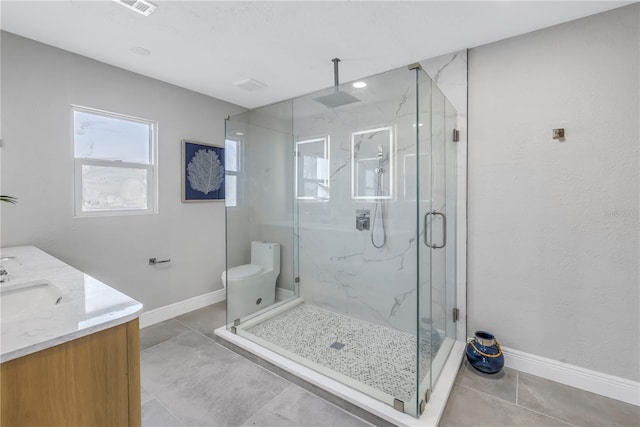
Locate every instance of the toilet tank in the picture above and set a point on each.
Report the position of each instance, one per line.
(266, 254)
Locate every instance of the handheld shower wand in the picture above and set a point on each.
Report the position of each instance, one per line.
(379, 171)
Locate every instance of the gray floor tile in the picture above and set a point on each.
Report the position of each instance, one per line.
(189, 380)
(160, 332)
(297, 407)
(206, 319)
(502, 385)
(573, 405)
(145, 396)
(156, 415)
(468, 407)
(204, 383)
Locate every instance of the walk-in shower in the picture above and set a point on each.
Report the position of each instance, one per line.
(371, 307)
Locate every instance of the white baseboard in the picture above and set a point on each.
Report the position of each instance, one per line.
(585, 379)
(170, 311)
(283, 294)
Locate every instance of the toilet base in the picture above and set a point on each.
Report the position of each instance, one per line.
(247, 300)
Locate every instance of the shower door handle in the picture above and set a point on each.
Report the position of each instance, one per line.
(444, 230)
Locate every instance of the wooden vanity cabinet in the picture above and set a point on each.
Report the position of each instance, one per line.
(90, 381)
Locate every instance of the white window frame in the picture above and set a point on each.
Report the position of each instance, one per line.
(235, 173)
(151, 168)
(326, 144)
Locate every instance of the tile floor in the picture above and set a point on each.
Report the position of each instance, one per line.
(190, 380)
(376, 356)
(513, 398)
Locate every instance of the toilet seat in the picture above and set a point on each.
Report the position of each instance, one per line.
(243, 271)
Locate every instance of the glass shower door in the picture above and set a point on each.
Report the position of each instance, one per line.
(442, 230)
(436, 270)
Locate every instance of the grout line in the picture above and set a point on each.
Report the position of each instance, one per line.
(265, 405)
(289, 383)
(245, 354)
(187, 325)
(518, 406)
(196, 330)
(332, 404)
(533, 410)
(169, 411)
(162, 342)
(547, 415)
(517, 386)
(486, 394)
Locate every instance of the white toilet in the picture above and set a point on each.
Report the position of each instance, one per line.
(251, 287)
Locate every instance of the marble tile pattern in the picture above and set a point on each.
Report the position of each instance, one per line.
(380, 357)
(449, 72)
(88, 305)
(339, 268)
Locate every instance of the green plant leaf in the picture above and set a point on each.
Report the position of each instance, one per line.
(8, 199)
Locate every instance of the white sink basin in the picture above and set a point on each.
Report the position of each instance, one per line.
(24, 299)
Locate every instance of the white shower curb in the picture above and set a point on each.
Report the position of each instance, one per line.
(430, 417)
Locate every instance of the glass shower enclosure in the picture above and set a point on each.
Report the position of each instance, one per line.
(357, 186)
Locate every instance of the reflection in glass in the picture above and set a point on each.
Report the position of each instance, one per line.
(312, 169)
(231, 168)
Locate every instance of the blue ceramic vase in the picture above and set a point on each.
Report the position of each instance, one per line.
(484, 353)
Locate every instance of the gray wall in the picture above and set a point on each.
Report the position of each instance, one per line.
(553, 226)
(38, 85)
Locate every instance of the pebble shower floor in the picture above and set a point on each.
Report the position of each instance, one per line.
(377, 356)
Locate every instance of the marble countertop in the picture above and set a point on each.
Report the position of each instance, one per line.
(87, 306)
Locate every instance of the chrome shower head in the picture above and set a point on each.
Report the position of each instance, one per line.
(337, 98)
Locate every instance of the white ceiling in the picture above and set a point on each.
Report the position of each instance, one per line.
(205, 46)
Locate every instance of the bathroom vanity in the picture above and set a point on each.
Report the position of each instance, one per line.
(70, 352)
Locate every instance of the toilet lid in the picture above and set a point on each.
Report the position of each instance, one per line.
(244, 271)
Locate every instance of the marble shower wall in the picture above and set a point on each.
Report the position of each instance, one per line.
(340, 269)
(338, 266)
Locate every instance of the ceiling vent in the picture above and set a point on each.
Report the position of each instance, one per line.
(143, 7)
(250, 84)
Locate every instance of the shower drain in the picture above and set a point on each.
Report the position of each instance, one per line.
(337, 345)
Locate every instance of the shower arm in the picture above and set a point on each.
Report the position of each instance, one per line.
(336, 81)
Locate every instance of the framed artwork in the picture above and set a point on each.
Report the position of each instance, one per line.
(202, 172)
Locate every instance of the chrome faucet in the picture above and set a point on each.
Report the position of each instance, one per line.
(4, 274)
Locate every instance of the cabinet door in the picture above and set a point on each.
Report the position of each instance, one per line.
(84, 382)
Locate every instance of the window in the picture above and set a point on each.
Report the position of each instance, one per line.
(312, 169)
(115, 172)
(231, 169)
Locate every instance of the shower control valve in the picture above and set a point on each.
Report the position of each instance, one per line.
(363, 219)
